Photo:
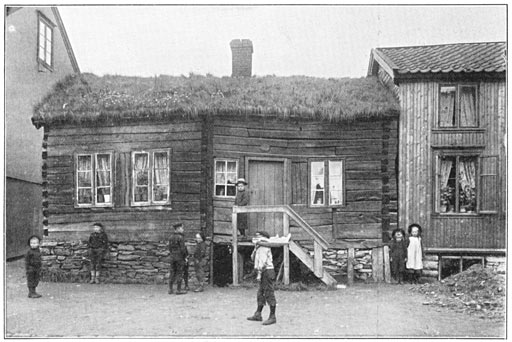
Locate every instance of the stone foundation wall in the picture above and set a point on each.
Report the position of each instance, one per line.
(137, 262)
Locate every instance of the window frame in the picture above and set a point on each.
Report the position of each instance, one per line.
(43, 21)
(94, 186)
(151, 170)
(457, 86)
(226, 160)
(436, 193)
(327, 192)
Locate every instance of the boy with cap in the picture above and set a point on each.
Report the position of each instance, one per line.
(262, 257)
(179, 253)
(241, 199)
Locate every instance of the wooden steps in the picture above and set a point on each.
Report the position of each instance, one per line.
(303, 256)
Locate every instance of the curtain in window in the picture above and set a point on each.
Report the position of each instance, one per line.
(103, 170)
(467, 171)
(467, 107)
(161, 166)
(84, 163)
(447, 107)
(446, 167)
(141, 162)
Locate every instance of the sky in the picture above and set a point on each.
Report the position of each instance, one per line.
(321, 41)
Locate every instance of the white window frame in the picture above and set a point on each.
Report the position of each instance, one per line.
(94, 186)
(226, 161)
(151, 167)
(45, 44)
(457, 109)
(326, 186)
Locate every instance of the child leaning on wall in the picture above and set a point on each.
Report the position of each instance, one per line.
(241, 199)
(98, 248)
(414, 262)
(33, 265)
(398, 254)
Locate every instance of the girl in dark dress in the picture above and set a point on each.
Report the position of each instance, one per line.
(398, 255)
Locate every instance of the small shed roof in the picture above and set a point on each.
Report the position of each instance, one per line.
(87, 97)
(487, 57)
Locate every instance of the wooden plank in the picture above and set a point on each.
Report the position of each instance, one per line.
(286, 253)
(234, 249)
(172, 127)
(350, 266)
(387, 270)
(377, 263)
(318, 259)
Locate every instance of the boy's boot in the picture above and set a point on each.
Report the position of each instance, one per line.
(97, 277)
(186, 285)
(400, 276)
(257, 314)
(179, 291)
(171, 291)
(32, 293)
(272, 317)
(93, 277)
(200, 288)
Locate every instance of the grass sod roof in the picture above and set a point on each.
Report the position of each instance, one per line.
(89, 98)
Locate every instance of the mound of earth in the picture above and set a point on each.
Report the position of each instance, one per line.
(478, 291)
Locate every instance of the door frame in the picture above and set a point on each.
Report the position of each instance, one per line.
(286, 174)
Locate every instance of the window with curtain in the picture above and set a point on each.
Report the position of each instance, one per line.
(458, 106)
(45, 41)
(151, 175)
(456, 185)
(326, 183)
(226, 171)
(93, 179)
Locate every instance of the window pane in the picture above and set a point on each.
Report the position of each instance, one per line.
(231, 178)
(468, 111)
(220, 178)
(317, 183)
(231, 190)
(42, 27)
(447, 181)
(84, 163)
(141, 161)
(141, 194)
(142, 178)
(103, 195)
(160, 193)
(84, 196)
(161, 177)
(220, 190)
(232, 167)
(335, 182)
(467, 184)
(84, 179)
(48, 33)
(447, 106)
(161, 160)
(220, 166)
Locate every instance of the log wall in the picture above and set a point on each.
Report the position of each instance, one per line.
(419, 138)
(367, 148)
(124, 222)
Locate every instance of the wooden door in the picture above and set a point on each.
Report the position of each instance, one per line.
(266, 187)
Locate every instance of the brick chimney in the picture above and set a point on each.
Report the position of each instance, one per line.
(241, 51)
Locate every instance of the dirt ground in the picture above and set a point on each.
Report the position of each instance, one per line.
(113, 310)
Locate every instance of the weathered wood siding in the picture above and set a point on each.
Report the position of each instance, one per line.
(418, 137)
(124, 222)
(367, 148)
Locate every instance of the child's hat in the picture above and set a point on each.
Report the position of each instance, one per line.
(409, 229)
(177, 225)
(241, 180)
(263, 233)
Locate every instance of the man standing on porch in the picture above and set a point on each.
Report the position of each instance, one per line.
(178, 252)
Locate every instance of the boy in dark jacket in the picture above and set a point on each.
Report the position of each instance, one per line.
(241, 199)
(98, 247)
(179, 253)
(398, 254)
(33, 265)
(200, 260)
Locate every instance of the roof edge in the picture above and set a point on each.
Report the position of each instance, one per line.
(65, 38)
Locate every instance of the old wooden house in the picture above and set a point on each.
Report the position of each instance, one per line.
(452, 145)
(37, 54)
(139, 154)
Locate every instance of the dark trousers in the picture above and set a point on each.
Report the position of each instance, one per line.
(176, 274)
(266, 289)
(185, 273)
(96, 255)
(33, 278)
(199, 269)
(241, 223)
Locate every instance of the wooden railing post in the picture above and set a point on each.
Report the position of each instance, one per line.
(286, 249)
(234, 251)
(319, 270)
(350, 265)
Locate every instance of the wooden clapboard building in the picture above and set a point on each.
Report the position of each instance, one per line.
(452, 154)
(140, 154)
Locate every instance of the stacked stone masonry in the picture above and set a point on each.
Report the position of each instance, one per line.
(127, 262)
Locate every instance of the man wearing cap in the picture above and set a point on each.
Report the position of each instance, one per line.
(262, 257)
(241, 199)
(178, 254)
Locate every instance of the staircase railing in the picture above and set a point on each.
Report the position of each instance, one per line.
(319, 242)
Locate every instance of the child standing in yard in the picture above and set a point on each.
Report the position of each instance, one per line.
(398, 254)
(33, 266)
(262, 257)
(98, 248)
(200, 260)
(414, 252)
(241, 199)
(179, 253)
